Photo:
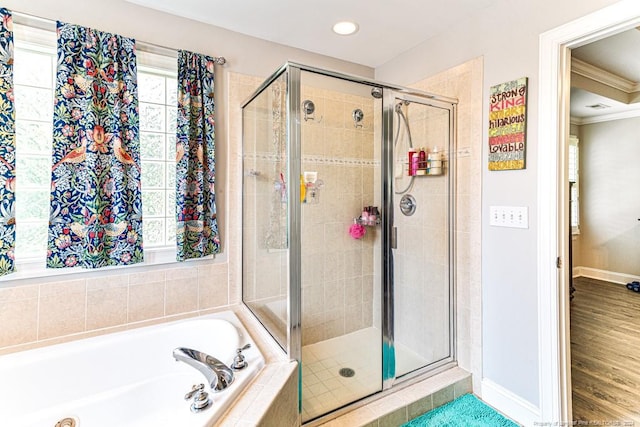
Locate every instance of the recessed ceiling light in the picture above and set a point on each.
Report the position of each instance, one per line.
(345, 28)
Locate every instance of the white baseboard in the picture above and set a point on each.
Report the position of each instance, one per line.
(608, 276)
(512, 406)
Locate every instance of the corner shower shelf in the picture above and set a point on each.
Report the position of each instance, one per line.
(367, 223)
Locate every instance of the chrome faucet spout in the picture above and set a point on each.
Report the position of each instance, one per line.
(218, 375)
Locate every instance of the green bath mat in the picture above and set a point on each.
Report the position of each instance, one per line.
(465, 411)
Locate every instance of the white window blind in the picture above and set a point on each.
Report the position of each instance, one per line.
(574, 179)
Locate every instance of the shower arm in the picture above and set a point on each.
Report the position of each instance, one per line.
(399, 112)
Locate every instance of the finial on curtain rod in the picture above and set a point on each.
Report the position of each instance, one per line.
(220, 60)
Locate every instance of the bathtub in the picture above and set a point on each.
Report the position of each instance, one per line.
(127, 378)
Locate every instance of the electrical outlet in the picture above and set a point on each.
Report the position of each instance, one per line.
(509, 216)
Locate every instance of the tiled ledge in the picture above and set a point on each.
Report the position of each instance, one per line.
(272, 398)
(407, 403)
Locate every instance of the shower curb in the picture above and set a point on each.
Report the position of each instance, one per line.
(408, 403)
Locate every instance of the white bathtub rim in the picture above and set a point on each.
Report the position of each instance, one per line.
(256, 361)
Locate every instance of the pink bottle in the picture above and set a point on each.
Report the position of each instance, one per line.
(413, 162)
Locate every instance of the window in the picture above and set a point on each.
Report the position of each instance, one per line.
(157, 92)
(34, 82)
(574, 178)
(34, 76)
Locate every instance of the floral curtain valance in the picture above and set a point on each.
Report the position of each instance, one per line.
(197, 226)
(7, 146)
(96, 212)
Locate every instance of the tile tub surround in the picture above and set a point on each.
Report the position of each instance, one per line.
(53, 309)
(272, 398)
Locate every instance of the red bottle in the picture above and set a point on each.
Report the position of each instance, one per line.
(422, 162)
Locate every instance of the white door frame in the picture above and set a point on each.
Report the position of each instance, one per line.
(553, 200)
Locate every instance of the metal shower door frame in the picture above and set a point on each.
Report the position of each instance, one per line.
(390, 97)
(390, 93)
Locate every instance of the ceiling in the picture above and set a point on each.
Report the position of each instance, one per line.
(618, 59)
(618, 54)
(387, 28)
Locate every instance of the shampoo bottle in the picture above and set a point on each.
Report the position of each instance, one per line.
(422, 162)
(413, 162)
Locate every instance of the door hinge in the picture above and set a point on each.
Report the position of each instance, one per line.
(558, 262)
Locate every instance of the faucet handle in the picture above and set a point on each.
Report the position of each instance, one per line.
(200, 397)
(194, 389)
(240, 362)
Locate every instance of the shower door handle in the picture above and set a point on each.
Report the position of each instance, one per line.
(394, 238)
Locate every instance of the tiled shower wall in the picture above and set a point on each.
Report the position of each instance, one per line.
(421, 263)
(464, 82)
(265, 211)
(337, 270)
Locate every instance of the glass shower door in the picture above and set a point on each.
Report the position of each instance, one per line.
(422, 259)
(340, 172)
(265, 230)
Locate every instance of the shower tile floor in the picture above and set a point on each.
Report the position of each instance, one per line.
(324, 389)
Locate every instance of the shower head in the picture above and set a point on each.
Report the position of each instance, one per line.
(400, 104)
(376, 92)
(308, 107)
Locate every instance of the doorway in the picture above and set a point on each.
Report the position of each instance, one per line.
(553, 230)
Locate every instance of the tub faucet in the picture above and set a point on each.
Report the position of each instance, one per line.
(219, 375)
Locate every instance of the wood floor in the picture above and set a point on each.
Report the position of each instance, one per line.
(605, 353)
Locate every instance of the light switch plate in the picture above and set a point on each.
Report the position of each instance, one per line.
(509, 216)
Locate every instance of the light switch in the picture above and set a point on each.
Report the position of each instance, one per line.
(509, 216)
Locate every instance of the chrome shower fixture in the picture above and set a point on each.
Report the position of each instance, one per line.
(400, 104)
(308, 108)
(357, 115)
(376, 92)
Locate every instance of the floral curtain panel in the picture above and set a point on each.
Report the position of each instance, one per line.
(96, 211)
(197, 226)
(7, 146)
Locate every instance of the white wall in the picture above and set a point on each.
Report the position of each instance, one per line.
(609, 202)
(506, 35)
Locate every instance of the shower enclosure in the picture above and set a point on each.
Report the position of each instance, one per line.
(348, 260)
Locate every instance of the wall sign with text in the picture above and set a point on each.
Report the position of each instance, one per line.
(508, 125)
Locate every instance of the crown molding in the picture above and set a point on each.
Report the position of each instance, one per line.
(603, 76)
(605, 117)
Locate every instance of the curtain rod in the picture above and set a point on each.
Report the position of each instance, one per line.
(49, 25)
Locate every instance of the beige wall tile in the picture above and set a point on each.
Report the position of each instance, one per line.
(106, 303)
(213, 288)
(146, 301)
(18, 315)
(62, 309)
(154, 276)
(181, 295)
(18, 293)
